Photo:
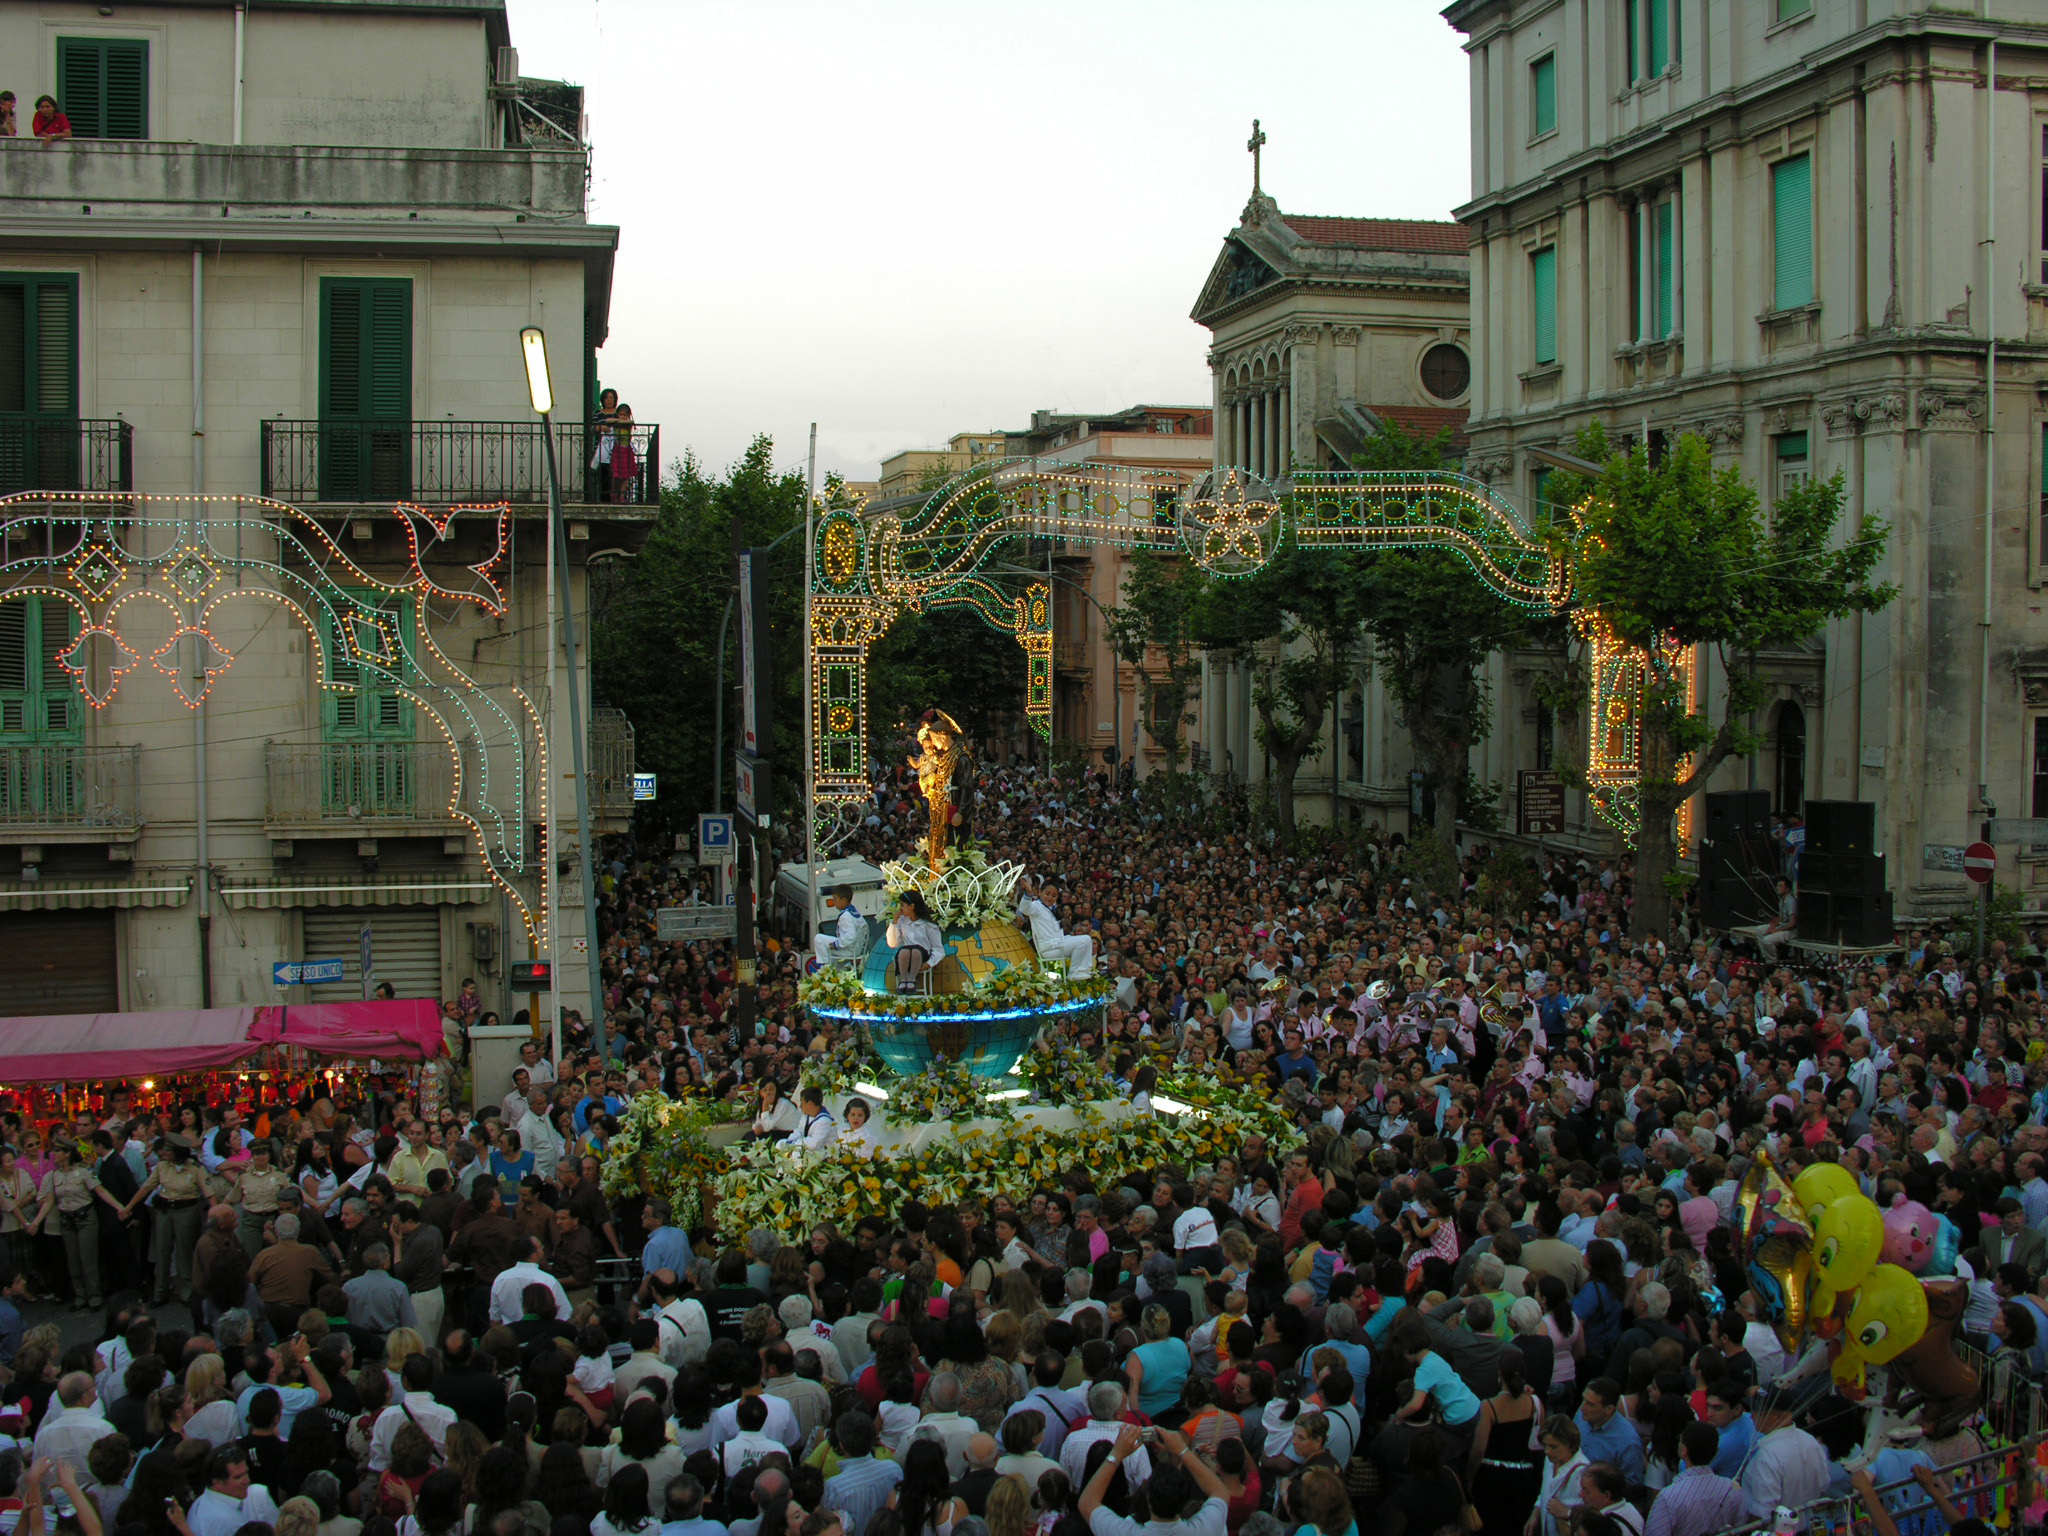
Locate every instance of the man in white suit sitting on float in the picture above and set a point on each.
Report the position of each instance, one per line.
(847, 938)
(1034, 910)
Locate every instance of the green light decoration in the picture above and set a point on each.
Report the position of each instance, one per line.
(867, 568)
(114, 556)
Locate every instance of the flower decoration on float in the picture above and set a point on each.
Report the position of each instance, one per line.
(969, 891)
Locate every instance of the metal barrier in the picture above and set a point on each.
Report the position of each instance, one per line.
(1991, 1485)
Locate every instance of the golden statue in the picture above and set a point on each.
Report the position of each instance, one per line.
(945, 776)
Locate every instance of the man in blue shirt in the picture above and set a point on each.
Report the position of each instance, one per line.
(683, 1509)
(13, 1292)
(1294, 1061)
(1727, 1413)
(862, 1484)
(668, 1247)
(1605, 1435)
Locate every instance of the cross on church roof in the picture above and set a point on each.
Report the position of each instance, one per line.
(1255, 143)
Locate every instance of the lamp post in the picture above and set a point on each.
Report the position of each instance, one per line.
(534, 347)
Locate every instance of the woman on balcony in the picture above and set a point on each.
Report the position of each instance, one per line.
(625, 463)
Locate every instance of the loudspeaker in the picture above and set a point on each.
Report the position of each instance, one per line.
(1738, 813)
(1853, 874)
(1816, 916)
(1858, 922)
(1731, 901)
(1840, 826)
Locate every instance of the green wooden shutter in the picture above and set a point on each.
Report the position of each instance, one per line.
(1660, 37)
(38, 381)
(1632, 24)
(1543, 296)
(1666, 274)
(1792, 232)
(1543, 94)
(365, 388)
(103, 86)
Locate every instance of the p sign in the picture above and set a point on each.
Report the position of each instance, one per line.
(714, 837)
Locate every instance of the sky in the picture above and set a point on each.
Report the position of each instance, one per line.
(903, 219)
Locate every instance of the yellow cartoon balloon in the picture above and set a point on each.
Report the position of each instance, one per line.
(1889, 1315)
(1848, 1236)
(1820, 1185)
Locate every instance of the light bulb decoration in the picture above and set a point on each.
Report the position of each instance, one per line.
(149, 576)
(868, 567)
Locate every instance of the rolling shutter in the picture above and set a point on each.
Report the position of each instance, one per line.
(103, 86)
(1543, 302)
(405, 949)
(1792, 232)
(58, 962)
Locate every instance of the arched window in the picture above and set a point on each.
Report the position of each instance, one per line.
(1791, 752)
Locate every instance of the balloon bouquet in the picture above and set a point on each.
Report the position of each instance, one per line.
(1823, 1259)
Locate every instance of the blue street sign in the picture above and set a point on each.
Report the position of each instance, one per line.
(292, 973)
(643, 786)
(714, 834)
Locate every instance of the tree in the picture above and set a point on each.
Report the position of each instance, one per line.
(950, 658)
(1157, 613)
(1434, 623)
(655, 620)
(1680, 554)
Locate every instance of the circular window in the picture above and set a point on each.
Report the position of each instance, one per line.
(1446, 371)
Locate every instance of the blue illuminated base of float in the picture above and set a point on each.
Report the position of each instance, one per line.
(989, 1043)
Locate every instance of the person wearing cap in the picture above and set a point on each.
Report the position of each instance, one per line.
(1787, 1467)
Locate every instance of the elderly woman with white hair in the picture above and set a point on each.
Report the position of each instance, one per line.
(1532, 1342)
(805, 1336)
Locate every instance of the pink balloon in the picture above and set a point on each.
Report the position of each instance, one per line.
(1909, 1233)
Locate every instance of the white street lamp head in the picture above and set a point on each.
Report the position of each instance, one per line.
(534, 346)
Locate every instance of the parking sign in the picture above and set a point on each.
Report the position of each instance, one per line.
(714, 838)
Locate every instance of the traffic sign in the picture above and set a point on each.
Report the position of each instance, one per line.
(1980, 862)
(292, 973)
(714, 838)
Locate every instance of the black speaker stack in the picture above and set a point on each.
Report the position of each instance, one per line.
(1842, 895)
(1738, 863)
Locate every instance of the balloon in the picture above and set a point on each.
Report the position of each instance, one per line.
(1947, 1244)
(1909, 1233)
(1779, 1241)
(1820, 1186)
(1888, 1318)
(1848, 1237)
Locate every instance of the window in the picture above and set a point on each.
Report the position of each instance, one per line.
(1653, 277)
(103, 86)
(2044, 203)
(1543, 303)
(2044, 493)
(1789, 460)
(1539, 504)
(1792, 232)
(1651, 28)
(365, 388)
(1546, 735)
(38, 698)
(1543, 96)
(38, 380)
(1446, 371)
(367, 705)
(2040, 765)
(1787, 9)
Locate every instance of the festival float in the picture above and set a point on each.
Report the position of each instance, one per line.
(969, 1084)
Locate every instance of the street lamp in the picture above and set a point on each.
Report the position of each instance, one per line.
(533, 346)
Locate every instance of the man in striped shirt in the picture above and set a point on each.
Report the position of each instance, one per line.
(862, 1484)
(1699, 1500)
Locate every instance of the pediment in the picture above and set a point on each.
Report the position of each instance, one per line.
(1239, 272)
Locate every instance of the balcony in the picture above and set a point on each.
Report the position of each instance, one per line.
(341, 788)
(611, 770)
(438, 463)
(69, 794)
(42, 453)
(239, 189)
(1070, 655)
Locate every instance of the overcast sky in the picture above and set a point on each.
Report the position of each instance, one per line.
(908, 218)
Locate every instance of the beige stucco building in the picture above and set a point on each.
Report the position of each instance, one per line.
(1810, 232)
(287, 257)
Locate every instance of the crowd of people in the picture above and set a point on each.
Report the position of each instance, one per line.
(1492, 1283)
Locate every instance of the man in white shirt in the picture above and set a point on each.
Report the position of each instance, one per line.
(70, 1432)
(230, 1501)
(1787, 1466)
(1050, 940)
(1105, 1419)
(685, 1327)
(536, 1135)
(416, 1406)
(943, 1418)
(780, 1425)
(748, 1442)
(508, 1303)
(539, 1070)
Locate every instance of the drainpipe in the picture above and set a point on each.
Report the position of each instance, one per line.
(241, 20)
(199, 771)
(1991, 279)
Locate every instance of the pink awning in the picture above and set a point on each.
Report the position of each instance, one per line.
(408, 1029)
(75, 1046)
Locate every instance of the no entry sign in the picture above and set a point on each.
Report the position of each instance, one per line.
(1980, 862)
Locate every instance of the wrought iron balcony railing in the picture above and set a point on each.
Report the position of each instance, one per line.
(438, 462)
(65, 453)
(69, 788)
(358, 783)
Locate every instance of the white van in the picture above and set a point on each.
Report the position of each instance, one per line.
(790, 895)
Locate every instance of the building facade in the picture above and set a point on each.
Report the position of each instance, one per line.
(1812, 233)
(275, 679)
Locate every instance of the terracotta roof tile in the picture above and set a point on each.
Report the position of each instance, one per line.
(1425, 420)
(1434, 237)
